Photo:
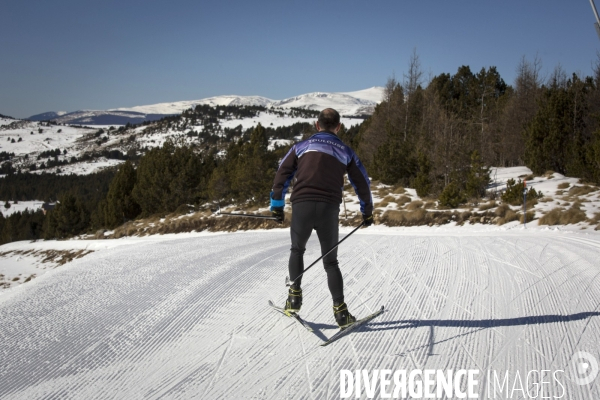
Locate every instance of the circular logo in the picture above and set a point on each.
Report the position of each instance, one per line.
(584, 368)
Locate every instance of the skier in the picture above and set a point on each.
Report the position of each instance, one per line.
(318, 165)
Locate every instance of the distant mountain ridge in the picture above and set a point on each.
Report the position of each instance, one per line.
(356, 103)
(50, 115)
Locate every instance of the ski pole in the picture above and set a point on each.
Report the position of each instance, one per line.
(248, 215)
(287, 278)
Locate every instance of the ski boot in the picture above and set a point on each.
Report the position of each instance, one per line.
(294, 301)
(342, 315)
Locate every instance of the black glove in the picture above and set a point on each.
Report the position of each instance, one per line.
(368, 220)
(278, 214)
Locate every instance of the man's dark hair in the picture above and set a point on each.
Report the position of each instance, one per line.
(329, 119)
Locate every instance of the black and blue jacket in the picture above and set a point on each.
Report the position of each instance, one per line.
(319, 165)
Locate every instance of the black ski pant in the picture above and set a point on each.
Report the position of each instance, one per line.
(322, 217)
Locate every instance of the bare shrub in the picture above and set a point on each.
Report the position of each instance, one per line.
(581, 190)
(413, 205)
(501, 210)
(429, 204)
(482, 218)
(560, 216)
(487, 206)
(381, 204)
(183, 209)
(563, 185)
(385, 201)
(530, 216)
(509, 216)
(402, 200)
(531, 203)
(131, 228)
(399, 190)
(421, 216)
(406, 218)
(382, 192)
(552, 217)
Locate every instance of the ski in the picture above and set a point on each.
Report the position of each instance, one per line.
(292, 315)
(354, 326)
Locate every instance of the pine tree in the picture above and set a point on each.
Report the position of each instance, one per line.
(4, 237)
(422, 182)
(154, 175)
(452, 196)
(593, 158)
(253, 168)
(555, 138)
(394, 161)
(170, 176)
(120, 204)
(478, 177)
(69, 218)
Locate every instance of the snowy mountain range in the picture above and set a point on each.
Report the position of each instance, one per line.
(81, 134)
(356, 103)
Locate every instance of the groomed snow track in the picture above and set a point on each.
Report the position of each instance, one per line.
(188, 318)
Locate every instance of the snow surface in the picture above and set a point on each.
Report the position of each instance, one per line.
(548, 186)
(74, 139)
(21, 206)
(49, 139)
(186, 316)
(374, 94)
(6, 121)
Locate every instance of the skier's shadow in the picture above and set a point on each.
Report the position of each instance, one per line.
(481, 323)
(318, 327)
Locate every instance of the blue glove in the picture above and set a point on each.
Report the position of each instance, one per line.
(277, 208)
(277, 204)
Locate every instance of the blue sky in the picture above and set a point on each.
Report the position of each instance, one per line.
(67, 55)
